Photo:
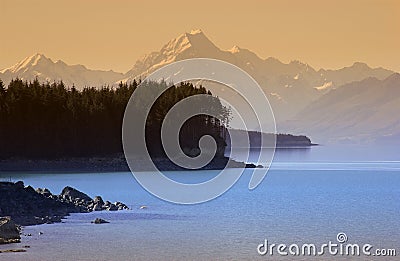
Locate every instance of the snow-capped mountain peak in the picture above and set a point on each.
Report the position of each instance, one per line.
(196, 39)
(38, 66)
(30, 61)
(196, 31)
(187, 45)
(295, 82)
(234, 49)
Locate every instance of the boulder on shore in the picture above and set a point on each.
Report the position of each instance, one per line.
(112, 207)
(71, 194)
(9, 231)
(98, 200)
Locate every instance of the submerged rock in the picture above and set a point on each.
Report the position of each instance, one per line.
(99, 221)
(12, 250)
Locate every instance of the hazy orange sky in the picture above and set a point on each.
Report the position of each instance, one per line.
(113, 34)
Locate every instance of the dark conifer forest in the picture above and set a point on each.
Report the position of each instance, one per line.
(51, 120)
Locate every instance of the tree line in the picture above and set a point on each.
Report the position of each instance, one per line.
(51, 120)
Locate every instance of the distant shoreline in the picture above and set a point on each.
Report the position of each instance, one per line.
(116, 163)
(282, 147)
(102, 164)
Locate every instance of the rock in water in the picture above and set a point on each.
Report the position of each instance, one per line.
(112, 207)
(71, 194)
(19, 184)
(121, 206)
(27, 207)
(98, 200)
(100, 221)
(44, 191)
(12, 250)
(9, 231)
(97, 207)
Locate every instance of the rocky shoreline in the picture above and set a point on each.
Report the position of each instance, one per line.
(103, 164)
(22, 205)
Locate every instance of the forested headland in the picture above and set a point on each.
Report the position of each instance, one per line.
(51, 120)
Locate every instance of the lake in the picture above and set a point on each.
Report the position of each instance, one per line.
(308, 196)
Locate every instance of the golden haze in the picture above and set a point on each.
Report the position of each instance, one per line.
(113, 34)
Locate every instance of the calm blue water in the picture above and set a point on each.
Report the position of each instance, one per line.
(307, 200)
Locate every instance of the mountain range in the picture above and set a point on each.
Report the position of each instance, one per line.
(347, 103)
(359, 111)
(44, 69)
